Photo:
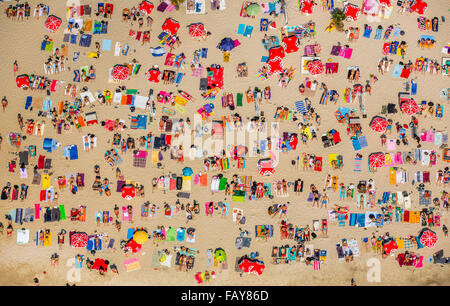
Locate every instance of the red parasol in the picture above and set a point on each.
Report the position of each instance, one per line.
(307, 6)
(120, 72)
(290, 44)
(134, 246)
(252, 266)
(128, 192)
(146, 7)
(276, 52)
(53, 23)
(419, 7)
(428, 238)
(385, 3)
(379, 124)
(376, 160)
(390, 246)
(23, 81)
(153, 75)
(410, 107)
(197, 30)
(79, 240)
(352, 12)
(315, 67)
(171, 26)
(275, 66)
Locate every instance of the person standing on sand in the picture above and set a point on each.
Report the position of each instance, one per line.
(15, 67)
(4, 103)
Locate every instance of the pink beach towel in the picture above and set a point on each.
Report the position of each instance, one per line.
(419, 262)
(398, 158)
(37, 211)
(131, 264)
(430, 136)
(348, 53)
(125, 216)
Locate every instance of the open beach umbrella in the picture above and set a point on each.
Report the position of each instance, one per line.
(307, 6)
(410, 107)
(253, 9)
(379, 124)
(419, 7)
(171, 26)
(315, 67)
(197, 30)
(220, 255)
(153, 75)
(276, 52)
(146, 7)
(290, 44)
(128, 192)
(428, 238)
(134, 246)
(140, 237)
(390, 246)
(79, 240)
(385, 3)
(23, 81)
(275, 66)
(352, 12)
(120, 72)
(226, 44)
(187, 171)
(251, 266)
(377, 160)
(53, 23)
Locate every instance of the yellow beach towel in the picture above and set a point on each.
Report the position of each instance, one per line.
(46, 181)
(400, 243)
(48, 240)
(331, 158)
(392, 177)
(155, 158)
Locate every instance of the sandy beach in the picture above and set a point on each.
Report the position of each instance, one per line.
(21, 41)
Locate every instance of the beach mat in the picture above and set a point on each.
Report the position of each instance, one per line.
(132, 264)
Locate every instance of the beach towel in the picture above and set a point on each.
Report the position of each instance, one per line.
(248, 31)
(106, 45)
(132, 264)
(180, 234)
(357, 164)
(241, 29)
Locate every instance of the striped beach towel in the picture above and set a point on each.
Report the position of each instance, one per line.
(341, 220)
(316, 265)
(300, 106)
(260, 76)
(357, 165)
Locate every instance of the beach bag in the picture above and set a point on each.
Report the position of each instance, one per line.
(179, 183)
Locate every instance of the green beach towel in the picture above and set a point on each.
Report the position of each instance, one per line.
(49, 47)
(62, 212)
(223, 183)
(132, 92)
(239, 99)
(171, 234)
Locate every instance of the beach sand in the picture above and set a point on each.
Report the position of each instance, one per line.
(21, 41)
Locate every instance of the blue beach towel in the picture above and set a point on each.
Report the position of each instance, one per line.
(28, 102)
(241, 29)
(106, 45)
(130, 233)
(180, 234)
(248, 31)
